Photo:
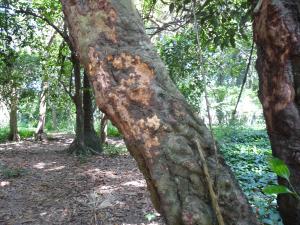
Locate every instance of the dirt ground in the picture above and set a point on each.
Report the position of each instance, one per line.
(53, 187)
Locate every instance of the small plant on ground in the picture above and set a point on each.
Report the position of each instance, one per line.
(112, 150)
(8, 172)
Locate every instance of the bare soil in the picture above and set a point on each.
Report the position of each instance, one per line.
(56, 188)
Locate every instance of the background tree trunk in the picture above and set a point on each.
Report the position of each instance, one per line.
(91, 138)
(161, 132)
(13, 117)
(78, 147)
(54, 117)
(276, 32)
(40, 130)
(103, 128)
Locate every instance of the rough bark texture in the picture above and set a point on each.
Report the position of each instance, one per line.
(103, 128)
(13, 118)
(277, 34)
(39, 132)
(134, 90)
(78, 146)
(91, 138)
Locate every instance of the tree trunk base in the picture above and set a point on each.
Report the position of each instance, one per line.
(14, 137)
(40, 136)
(77, 148)
(92, 141)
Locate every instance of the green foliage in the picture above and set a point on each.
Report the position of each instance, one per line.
(26, 132)
(23, 132)
(4, 132)
(112, 131)
(280, 168)
(222, 22)
(8, 172)
(113, 150)
(247, 150)
(276, 189)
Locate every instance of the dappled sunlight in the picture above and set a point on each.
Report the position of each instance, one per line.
(56, 168)
(42, 165)
(4, 183)
(57, 188)
(135, 183)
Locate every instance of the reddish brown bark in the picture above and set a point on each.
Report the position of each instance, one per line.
(161, 132)
(277, 34)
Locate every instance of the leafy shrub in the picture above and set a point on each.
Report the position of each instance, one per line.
(112, 150)
(4, 132)
(247, 150)
(26, 132)
(112, 131)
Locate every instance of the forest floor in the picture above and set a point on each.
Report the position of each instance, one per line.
(41, 184)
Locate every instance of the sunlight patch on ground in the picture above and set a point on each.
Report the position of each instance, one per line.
(135, 183)
(56, 168)
(42, 165)
(4, 183)
(106, 189)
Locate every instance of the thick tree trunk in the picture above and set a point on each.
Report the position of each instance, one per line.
(161, 132)
(277, 34)
(40, 130)
(13, 118)
(78, 147)
(91, 138)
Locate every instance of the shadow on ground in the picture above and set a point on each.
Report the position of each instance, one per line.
(56, 188)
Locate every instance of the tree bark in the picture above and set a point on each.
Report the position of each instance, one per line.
(276, 32)
(91, 138)
(103, 128)
(40, 130)
(13, 117)
(77, 146)
(54, 117)
(133, 89)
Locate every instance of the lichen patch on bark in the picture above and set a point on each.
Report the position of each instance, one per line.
(97, 14)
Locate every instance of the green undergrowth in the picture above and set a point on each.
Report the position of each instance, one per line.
(113, 150)
(23, 132)
(9, 172)
(246, 151)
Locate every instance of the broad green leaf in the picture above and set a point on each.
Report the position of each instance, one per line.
(280, 168)
(276, 189)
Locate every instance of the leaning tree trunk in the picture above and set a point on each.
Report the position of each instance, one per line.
(40, 130)
(277, 34)
(133, 88)
(91, 138)
(13, 118)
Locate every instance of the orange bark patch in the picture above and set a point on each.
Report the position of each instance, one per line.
(127, 81)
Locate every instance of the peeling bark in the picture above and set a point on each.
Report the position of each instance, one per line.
(133, 88)
(277, 35)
